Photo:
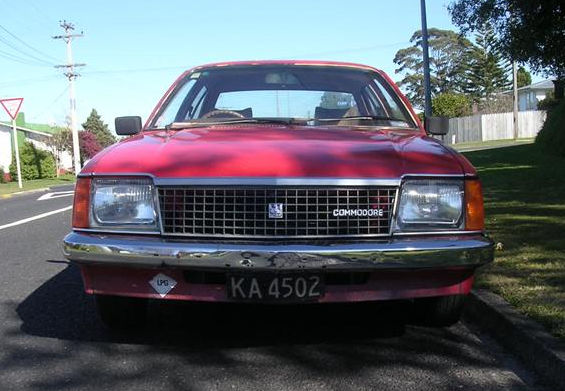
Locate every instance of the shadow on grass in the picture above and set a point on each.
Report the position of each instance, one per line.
(525, 206)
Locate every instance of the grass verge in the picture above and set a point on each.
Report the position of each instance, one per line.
(12, 187)
(491, 144)
(525, 207)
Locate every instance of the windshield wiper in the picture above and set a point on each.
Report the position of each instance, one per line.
(193, 124)
(362, 117)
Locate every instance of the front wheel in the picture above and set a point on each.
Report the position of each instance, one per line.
(440, 311)
(122, 313)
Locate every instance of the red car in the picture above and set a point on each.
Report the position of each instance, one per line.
(279, 182)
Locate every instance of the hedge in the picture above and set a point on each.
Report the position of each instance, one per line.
(35, 163)
(552, 135)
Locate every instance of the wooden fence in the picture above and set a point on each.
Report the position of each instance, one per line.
(498, 126)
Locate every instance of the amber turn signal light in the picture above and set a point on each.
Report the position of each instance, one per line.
(81, 203)
(474, 208)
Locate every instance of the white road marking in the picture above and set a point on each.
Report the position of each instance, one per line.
(19, 222)
(57, 194)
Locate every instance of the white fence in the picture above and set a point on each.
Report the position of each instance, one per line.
(498, 126)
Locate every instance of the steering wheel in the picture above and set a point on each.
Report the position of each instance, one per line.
(222, 114)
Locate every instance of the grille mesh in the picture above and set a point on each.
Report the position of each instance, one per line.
(243, 212)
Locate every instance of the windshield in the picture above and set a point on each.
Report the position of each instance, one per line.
(306, 95)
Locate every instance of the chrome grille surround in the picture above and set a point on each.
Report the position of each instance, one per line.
(242, 211)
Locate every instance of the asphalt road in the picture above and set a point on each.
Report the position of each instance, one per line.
(51, 339)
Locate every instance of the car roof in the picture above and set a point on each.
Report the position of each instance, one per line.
(284, 62)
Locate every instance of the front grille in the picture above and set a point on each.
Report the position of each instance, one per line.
(243, 212)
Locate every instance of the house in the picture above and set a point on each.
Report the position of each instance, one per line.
(529, 96)
(36, 137)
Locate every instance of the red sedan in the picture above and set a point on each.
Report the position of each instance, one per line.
(279, 182)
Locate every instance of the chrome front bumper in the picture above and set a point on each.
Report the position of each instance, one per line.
(396, 253)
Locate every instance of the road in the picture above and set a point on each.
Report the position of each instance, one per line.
(51, 339)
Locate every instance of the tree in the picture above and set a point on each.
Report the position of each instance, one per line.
(34, 163)
(60, 142)
(486, 71)
(448, 52)
(527, 31)
(95, 125)
(451, 105)
(89, 145)
(497, 103)
(523, 77)
(551, 136)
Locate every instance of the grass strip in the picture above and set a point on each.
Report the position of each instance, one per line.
(525, 206)
(12, 187)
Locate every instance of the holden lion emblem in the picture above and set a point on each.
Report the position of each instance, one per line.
(276, 211)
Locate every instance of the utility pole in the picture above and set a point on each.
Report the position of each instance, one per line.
(426, 55)
(71, 76)
(515, 98)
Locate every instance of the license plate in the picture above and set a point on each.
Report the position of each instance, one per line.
(275, 287)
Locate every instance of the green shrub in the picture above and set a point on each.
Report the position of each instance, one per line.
(2, 180)
(552, 135)
(451, 105)
(35, 163)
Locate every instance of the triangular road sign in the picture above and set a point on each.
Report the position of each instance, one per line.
(12, 106)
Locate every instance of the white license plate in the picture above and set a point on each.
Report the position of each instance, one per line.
(275, 287)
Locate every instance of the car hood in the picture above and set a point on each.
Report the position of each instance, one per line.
(279, 151)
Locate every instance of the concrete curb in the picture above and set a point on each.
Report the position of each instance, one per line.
(525, 338)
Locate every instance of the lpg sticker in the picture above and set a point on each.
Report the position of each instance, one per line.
(162, 284)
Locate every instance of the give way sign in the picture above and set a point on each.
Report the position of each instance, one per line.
(12, 106)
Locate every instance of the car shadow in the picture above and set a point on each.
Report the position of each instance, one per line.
(59, 343)
(60, 309)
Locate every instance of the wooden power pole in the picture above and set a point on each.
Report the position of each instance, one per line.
(71, 76)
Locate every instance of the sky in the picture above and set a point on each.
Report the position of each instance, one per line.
(134, 50)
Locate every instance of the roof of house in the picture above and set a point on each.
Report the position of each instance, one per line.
(540, 85)
(546, 85)
(43, 128)
(9, 126)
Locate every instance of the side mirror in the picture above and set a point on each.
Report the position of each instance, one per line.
(437, 125)
(126, 126)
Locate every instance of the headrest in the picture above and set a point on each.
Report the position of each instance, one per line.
(323, 113)
(247, 113)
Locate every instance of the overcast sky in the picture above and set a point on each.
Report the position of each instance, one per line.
(135, 49)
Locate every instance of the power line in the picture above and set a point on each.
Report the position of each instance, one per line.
(29, 81)
(41, 15)
(21, 60)
(353, 50)
(52, 103)
(134, 70)
(27, 45)
(338, 51)
(31, 56)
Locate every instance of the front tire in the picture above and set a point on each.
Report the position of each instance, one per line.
(122, 313)
(440, 311)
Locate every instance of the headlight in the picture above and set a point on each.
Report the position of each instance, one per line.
(123, 203)
(430, 204)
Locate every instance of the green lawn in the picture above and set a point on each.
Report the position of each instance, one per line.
(525, 208)
(491, 144)
(12, 187)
